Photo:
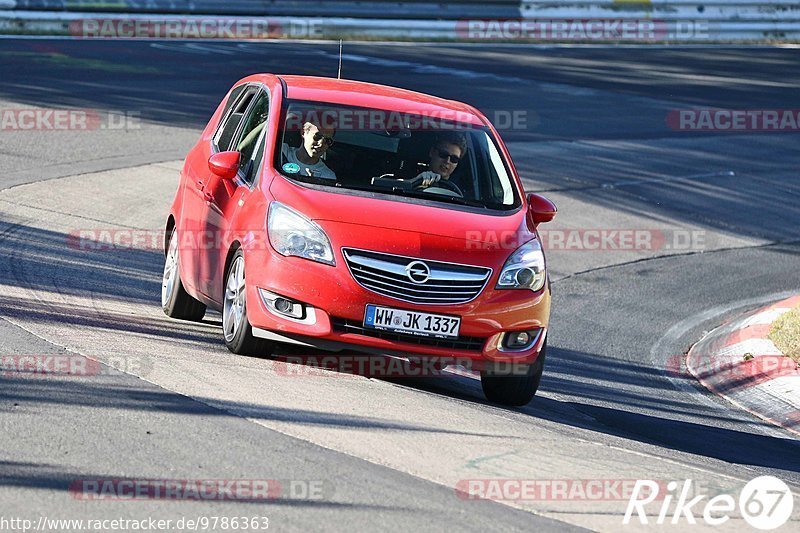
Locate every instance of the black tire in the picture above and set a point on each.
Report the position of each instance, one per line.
(175, 301)
(238, 335)
(507, 388)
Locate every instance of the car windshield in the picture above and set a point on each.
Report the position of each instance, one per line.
(394, 154)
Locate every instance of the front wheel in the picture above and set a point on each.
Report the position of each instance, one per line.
(175, 301)
(506, 387)
(237, 329)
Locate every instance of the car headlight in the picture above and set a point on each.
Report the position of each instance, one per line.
(524, 269)
(290, 233)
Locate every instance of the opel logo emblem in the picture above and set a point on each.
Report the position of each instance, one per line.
(418, 272)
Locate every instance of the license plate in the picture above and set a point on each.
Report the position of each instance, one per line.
(411, 322)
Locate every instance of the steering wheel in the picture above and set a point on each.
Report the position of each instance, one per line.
(446, 185)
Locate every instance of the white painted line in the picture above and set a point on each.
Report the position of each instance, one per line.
(765, 317)
(724, 174)
(211, 49)
(426, 69)
(177, 48)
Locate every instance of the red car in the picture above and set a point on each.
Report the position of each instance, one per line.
(346, 215)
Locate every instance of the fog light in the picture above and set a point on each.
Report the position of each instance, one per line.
(519, 340)
(282, 306)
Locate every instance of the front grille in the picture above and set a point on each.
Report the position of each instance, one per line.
(385, 274)
(344, 325)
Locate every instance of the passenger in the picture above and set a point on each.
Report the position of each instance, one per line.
(308, 156)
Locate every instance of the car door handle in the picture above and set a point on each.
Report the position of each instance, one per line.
(207, 196)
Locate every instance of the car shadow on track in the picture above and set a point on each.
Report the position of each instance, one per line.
(578, 389)
(596, 394)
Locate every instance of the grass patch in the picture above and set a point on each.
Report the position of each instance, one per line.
(785, 333)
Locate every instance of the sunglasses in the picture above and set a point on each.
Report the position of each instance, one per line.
(327, 141)
(444, 154)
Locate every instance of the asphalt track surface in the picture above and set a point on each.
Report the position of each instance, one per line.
(389, 452)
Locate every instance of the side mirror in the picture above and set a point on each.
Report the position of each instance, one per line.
(540, 209)
(225, 164)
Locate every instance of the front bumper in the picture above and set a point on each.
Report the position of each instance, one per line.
(335, 307)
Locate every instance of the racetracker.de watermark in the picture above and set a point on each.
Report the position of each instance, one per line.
(41, 119)
(592, 240)
(381, 120)
(573, 240)
(379, 366)
(546, 489)
(734, 120)
(76, 366)
(593, 29)
(764, 503)
(737, 371)
(200, 489)
(197, 28)
(125, 239)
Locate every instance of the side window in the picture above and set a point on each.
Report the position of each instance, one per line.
(248, 140)
(228, 130)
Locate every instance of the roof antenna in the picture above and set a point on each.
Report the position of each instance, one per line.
(340, 59)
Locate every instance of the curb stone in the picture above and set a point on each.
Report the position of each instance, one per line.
(739, 363)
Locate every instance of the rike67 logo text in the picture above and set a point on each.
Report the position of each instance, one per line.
(765, 503)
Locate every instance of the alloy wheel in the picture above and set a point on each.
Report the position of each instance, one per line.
(233, 309)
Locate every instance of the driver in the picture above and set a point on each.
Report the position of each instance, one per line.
(445, 155)
(308, 156)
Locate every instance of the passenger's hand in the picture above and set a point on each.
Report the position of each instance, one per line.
(429, 178)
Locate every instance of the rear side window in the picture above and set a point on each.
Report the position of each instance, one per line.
(234, 95)
(231, 124)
